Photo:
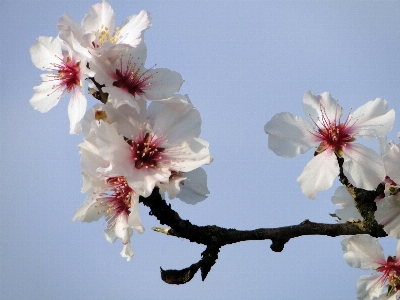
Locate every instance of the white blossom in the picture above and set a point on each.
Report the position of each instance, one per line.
(365, 252)
(289, 135)
(108, 196)
(97, 31)
(121, 69)
(147, 147)
(67, 70)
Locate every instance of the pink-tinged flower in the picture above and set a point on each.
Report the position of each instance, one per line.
(66, 73)
(147, 147)
(348, 212)
(190, 187)
(365, 252)
(121, 69)
(109, 197)
(114, 200)
(333, 136)
(97, 30)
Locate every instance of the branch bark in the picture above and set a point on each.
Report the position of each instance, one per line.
(215, 237)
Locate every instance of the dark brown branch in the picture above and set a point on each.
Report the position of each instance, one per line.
(98, 94)
(215, 237)
(365, 203)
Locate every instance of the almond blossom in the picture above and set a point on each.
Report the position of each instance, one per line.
(333, 137)
(365, 252)
(97, 30)
(147, 147)
(67, 70)
(109, 197)
(121, 69)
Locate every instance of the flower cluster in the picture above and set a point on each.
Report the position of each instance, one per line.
(144, 135)
(337, 153)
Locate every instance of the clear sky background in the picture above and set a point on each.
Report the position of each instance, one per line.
(242, 62)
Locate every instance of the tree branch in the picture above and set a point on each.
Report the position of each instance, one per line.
(215, 237)
(98, 94)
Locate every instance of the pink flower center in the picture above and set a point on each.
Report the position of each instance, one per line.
(116, 200)
(391, 273)
(146, 151)
(132, 79)
(69, 74)
(333, 134)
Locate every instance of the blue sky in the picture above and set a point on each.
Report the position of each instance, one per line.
(242, 62)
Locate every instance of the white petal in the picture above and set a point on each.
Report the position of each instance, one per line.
(45, 52)
(289, 135)
(134, 221)
(395, 296)
(127, 252)
(163, 84)
(118, 97)
(110, 236)
(99, 14)
(388, 215)
(311, 105)
(372, 119)
(349, 212)
(66, 22)
(112, 146)
(76, 110)
(189, 155)
(362, 166)
(368, 287)
(89, 211)
(132, 28)
(319, 173)
(90, 158)
(177, 121)
(127, 119)
(392, 163)
(194, 188)
(363, 251)
(173, 186)
(122, 229)
(45, 97)
(74, 40)
(91, 183)
(315, 106)
(383, 146)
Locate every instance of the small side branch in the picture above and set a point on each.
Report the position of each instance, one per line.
(98, 94)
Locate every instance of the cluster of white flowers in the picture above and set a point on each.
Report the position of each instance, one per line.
(143, 136)
(334, 140)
